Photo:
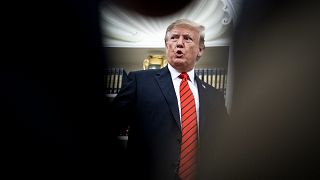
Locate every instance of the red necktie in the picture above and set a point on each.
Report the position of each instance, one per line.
(189, 130)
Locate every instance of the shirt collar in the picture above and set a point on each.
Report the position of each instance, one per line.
(175, 74)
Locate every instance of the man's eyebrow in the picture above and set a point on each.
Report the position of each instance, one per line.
(183, 34)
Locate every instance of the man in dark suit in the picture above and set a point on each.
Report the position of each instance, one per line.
(151, 103)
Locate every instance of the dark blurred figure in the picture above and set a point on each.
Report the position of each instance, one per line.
(53, 118)
(274, 127)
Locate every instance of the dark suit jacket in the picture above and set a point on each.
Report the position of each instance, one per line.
(148, 103)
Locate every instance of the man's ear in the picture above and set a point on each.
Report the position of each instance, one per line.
(200, 52)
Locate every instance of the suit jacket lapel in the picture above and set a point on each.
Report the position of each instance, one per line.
(202, 103)
(165, 83)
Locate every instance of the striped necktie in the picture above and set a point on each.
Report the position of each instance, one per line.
(189, 130)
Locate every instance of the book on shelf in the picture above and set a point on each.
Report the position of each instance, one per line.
(113, 79)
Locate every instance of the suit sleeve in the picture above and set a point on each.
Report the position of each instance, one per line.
(123, 104)
(221, 107)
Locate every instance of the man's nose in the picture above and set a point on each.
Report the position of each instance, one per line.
(180, 42)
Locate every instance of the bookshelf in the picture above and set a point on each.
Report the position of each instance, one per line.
(212, 66)
(114, 77)
(216, 77)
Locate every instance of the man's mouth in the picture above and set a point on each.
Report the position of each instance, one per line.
(179, 53)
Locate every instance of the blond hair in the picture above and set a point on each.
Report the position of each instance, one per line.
(186, 22)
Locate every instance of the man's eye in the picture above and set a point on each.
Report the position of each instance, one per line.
(188, 38)
(173, 38)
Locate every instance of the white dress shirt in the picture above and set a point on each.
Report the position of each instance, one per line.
(192, 84)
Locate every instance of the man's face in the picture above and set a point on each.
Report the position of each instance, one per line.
(182, 48)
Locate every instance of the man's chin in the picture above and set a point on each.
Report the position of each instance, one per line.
(181, 66)
(179, 63)
(179, 60)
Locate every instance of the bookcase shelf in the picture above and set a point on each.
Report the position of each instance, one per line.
(216, 77)
(214, 62)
